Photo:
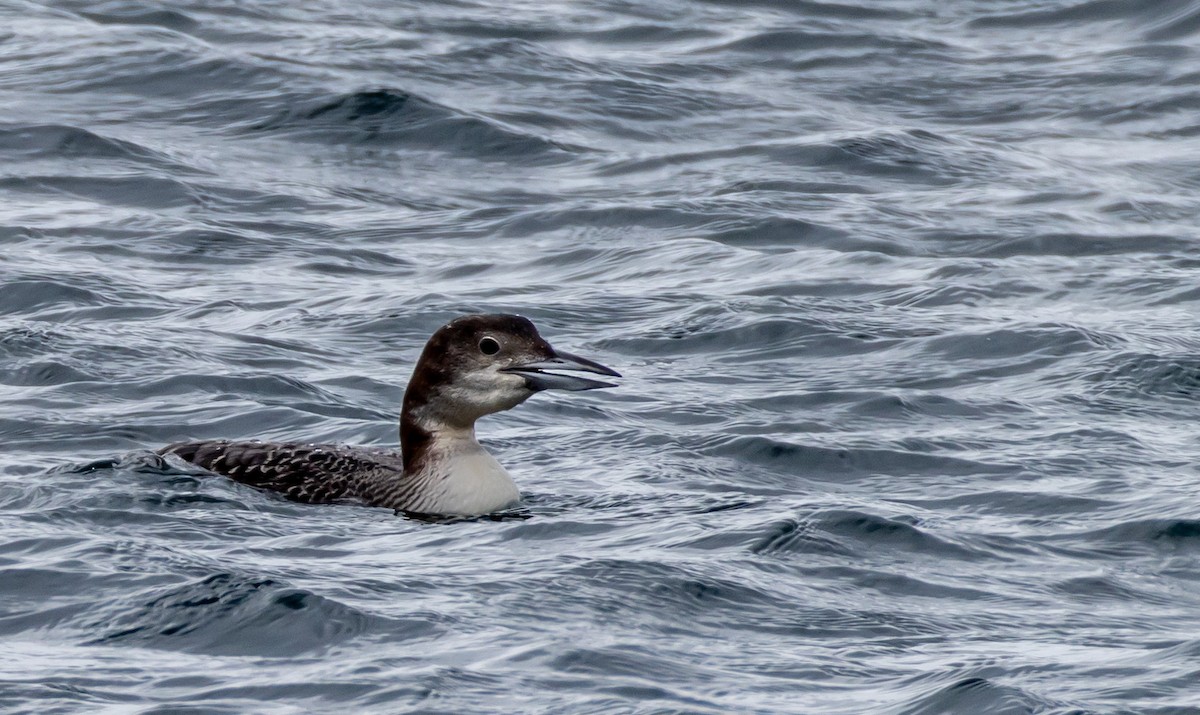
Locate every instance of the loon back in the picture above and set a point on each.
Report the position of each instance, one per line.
(309, 473)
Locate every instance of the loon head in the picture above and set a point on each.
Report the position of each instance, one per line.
(479, 364)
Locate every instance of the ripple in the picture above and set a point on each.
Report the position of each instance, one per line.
(1150, 375)
(890, 533)
(1161, 533)
(394, 117)
(789, 458)
(50, 141)
(795, 536)
(231, 615)
(979, 695)
(140, 191)
(26, 296)
(170, 19)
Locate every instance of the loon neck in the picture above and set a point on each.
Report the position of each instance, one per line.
(415, 442)
(432, 423)
(447, 471)
(421, 443)
(427, 420)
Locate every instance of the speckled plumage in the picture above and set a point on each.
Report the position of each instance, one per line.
(441, 468)
(310, 473)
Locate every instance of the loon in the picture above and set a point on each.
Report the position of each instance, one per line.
(473, 366)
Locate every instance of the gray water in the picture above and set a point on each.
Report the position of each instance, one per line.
(907, 295)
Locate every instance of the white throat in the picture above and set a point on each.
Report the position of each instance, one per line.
(460, 477)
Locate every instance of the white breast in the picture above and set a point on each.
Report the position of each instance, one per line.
(464, 480)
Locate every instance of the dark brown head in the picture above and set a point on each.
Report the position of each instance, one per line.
(479, 364)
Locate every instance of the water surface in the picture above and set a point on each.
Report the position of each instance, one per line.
(906, 294)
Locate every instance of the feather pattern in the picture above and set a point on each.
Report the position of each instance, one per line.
(310, 473)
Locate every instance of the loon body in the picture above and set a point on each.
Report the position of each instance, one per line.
(472, 366)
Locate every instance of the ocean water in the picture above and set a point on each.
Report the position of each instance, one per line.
(906, 293)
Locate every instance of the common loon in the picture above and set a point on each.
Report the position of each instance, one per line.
(472, 366)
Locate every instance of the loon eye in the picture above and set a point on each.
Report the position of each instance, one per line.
(489, 346)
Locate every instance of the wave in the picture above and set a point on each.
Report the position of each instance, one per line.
(391, 117)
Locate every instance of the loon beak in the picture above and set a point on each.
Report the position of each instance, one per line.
(539, 378)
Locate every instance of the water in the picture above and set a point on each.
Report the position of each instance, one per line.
(907, 295)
